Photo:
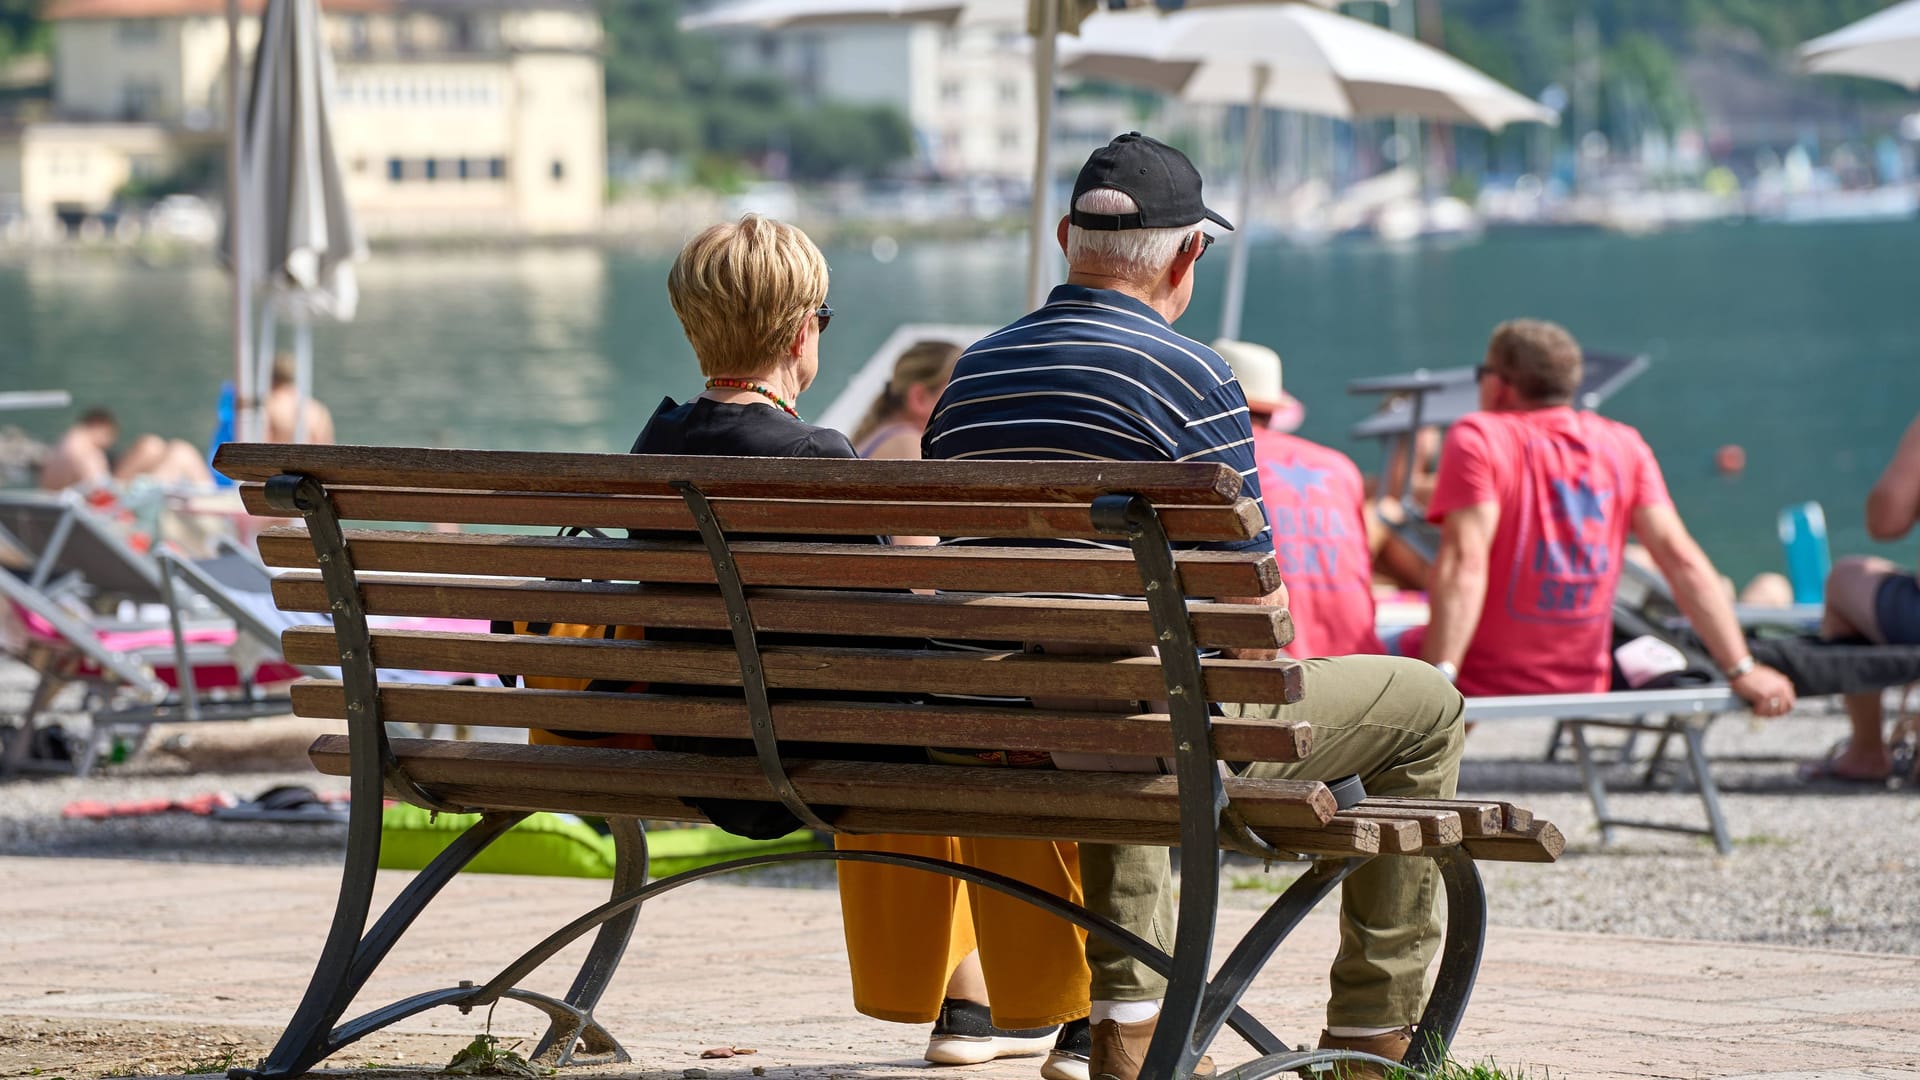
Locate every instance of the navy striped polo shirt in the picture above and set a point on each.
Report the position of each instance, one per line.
(1096, 375)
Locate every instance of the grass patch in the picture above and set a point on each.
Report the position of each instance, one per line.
(220, 1065)
(484, 1056)
(1484, 1069)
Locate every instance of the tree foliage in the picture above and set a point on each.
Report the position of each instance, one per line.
(669, 91)
(20, 31)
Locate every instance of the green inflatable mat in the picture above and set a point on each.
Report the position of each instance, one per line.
(561, 845)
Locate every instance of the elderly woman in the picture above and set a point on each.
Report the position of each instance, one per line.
(752, 298)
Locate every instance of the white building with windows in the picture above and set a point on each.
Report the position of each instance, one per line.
(449, 115)
(967, 92)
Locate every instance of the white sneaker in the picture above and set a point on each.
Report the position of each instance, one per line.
(964, 1035)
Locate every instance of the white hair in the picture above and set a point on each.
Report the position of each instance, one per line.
(1131, 253)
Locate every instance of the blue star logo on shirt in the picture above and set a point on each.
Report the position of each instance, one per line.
(1580, 504)
(1299, 477)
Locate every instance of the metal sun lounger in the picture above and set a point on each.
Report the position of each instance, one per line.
(70, 550)
(1681, 714)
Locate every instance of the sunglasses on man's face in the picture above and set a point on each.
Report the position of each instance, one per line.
(1481, 371)
(824, 315)
(1206, 241)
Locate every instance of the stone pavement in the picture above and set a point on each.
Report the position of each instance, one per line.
(183, 950)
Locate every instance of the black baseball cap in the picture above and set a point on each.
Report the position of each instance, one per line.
(1161, 180)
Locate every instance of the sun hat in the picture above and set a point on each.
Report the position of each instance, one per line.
(1258, 370)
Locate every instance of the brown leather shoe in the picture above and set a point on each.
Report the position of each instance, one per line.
(1119, 1049)
(1393, 1046)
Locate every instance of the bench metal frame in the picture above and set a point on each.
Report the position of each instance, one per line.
(1196, 1006)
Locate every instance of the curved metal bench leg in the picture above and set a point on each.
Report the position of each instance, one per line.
(1452, 984)
(1459, 958)
(564, 1040)
(348, 958)
(1251, 954)
(466, 997)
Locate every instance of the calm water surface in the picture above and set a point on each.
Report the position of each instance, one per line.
(1801, 344)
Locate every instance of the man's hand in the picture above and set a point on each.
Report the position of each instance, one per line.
(1769, 692)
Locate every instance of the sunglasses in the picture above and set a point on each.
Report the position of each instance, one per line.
(824, 315)
(1481, 371)
(1206, 241)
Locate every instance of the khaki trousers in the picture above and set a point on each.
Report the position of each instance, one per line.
(1396, 723)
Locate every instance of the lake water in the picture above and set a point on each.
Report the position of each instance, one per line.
(1801, 344)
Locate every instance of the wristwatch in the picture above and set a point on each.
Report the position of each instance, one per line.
(1740, 668)
(1452, 670)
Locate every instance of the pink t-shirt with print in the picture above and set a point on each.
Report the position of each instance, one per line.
(1567, 484)
(1315, 503)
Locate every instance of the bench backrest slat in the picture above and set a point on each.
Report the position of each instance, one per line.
(814, 479)
(948, 616)
(1144, 734)
(901, 671)
(832, 566)
(839, 517)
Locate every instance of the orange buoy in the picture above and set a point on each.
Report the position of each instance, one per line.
(1730, 458)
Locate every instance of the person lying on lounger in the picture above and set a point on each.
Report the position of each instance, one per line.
(1535, 500)
(81, 458)
(1873, 598)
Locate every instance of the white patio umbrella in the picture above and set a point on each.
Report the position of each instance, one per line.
(291, 230)
(1043, 19)
(1288, 56)
(1885, 46)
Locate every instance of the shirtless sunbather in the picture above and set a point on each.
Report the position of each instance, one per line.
(80, 459)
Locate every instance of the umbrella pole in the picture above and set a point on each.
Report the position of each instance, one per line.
(302, 376)
(1236, 298)
(243, 387)
(1040, 226)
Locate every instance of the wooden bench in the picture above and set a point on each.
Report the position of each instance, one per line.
(768, 585)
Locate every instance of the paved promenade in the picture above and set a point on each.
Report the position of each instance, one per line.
(148, 969)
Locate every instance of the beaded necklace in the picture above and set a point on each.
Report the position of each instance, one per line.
(753, 388)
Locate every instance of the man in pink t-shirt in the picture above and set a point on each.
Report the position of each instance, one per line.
(1316, 506)
(1535, 501)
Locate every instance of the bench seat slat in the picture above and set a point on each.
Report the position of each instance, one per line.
(1237, 521)
(1145, 734)
(1171, 483)
(1475, 818)
(832, 566)
(949, 615)
(1001, 674)
(1517, 819)
(1539, 842)
(1438, 828)
(936, 788)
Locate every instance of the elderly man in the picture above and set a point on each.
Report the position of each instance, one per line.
(1099, 374)
(1547, 494)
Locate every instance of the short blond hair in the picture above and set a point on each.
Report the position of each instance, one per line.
(741, 289)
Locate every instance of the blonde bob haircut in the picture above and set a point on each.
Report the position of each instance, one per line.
(741, 290)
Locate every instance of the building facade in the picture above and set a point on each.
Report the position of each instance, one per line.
(448, 115)
(966, 91)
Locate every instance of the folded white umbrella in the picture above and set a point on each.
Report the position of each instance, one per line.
(1288, 56)
(1885, 46)
(1041, 17)
(297, 237)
